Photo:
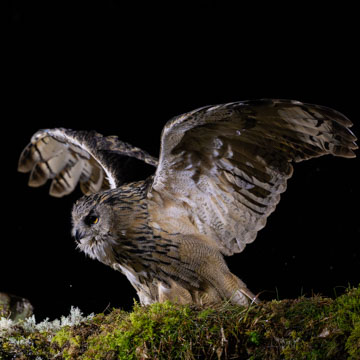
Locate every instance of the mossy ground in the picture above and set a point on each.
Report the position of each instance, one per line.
(305, 328)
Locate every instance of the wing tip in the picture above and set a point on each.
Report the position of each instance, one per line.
(25, 163)
(348, 154)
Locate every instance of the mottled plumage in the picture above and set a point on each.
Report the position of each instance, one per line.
(220, 174)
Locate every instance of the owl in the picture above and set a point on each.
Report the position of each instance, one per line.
(220, 173)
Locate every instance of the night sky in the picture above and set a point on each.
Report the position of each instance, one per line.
(126, 72)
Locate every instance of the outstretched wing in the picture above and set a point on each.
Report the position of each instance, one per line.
(69, 157)
(222, 168)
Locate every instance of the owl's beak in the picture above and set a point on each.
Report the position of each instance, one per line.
(77, 235)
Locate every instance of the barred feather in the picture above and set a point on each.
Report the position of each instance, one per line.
(69, 157)
(240, 154)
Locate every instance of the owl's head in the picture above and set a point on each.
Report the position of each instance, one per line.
(92, 220)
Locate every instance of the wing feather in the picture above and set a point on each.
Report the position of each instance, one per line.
(226, 166)
(69, 157)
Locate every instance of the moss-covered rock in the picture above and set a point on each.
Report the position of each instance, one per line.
(305, 328)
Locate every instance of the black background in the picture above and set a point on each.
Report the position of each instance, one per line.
(126, 71)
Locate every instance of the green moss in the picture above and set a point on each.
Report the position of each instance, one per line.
(24, 347)
(352, 344)
(315, 328)
(62, 337)
(146, 332)
(254, 337)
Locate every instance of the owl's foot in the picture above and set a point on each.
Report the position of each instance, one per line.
(244, 295)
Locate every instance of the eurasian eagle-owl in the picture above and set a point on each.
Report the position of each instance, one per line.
(219, 175)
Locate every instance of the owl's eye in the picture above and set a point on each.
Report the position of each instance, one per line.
(91, 219)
